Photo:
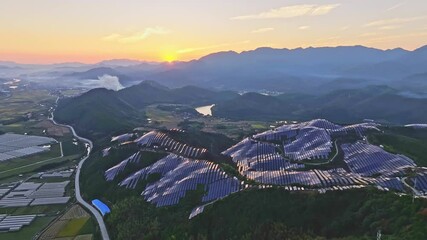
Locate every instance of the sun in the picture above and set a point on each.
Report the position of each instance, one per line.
(170, 57)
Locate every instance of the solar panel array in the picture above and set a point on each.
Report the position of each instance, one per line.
(312, 139)
(196, 211)
(368, 160)
(112, 172)
(105, 152)
(31, 193)
(14, 223)
(389, 183)
(16, 145)
(417, 126)
(3, 191)
(290, 131)
(58, 174)
(260, 161)
(421, 182)
(251, 154)
(284, 177)
(179, 175)
(277, 134)
(339, 177)
(156, 139)
(310, 143)
(360, 129)
(122, 138)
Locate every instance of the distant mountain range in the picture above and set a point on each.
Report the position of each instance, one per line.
(309, 70)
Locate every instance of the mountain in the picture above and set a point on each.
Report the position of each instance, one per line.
(408, 63)
(97, 110)
(147, 93)
(290, 70)
(301, 70)
(380, 103)
(416, 83)
(102, 111)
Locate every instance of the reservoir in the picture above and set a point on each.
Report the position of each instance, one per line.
(205, 110)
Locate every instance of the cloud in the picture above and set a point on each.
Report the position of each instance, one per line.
(395, 6)
(390, 27)
(370, 34)
(111, 37)
(195, 49)
(110, 82)
(396, 37)
(291, 11)
(393, 21)
(137, 36)
(303, 27)
(262, 30)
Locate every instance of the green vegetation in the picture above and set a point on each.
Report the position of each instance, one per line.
(97, 111)
(252, 214)
(92, 176)
(276, 213)
(401, 140)
(345, 106)
(214, 142)
(177, 108)
(101, 112)
(191, 125)
(73, 227)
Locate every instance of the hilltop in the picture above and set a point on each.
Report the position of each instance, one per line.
(103, 111)
(310, 180)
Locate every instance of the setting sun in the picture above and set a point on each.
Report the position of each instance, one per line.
(170, 57)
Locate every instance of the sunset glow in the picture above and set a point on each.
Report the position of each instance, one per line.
(51, 31)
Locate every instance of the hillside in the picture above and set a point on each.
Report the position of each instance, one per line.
(156, 190)
(377, 102)
(98, 110)
(104, 111)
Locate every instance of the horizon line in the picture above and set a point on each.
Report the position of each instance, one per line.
(197, 58)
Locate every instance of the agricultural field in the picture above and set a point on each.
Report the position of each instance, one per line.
(176, 117)
(25, 104)
(75, 223)
(48, 174)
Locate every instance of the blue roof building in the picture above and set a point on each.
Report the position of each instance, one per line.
(104, 209)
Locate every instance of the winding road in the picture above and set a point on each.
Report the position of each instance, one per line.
(89, 147)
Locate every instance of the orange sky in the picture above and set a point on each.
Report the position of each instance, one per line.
(51, 31)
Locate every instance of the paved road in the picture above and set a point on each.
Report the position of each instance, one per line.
(79, 198)
(327, 162)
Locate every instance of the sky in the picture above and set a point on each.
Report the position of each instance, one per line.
(88, 31)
